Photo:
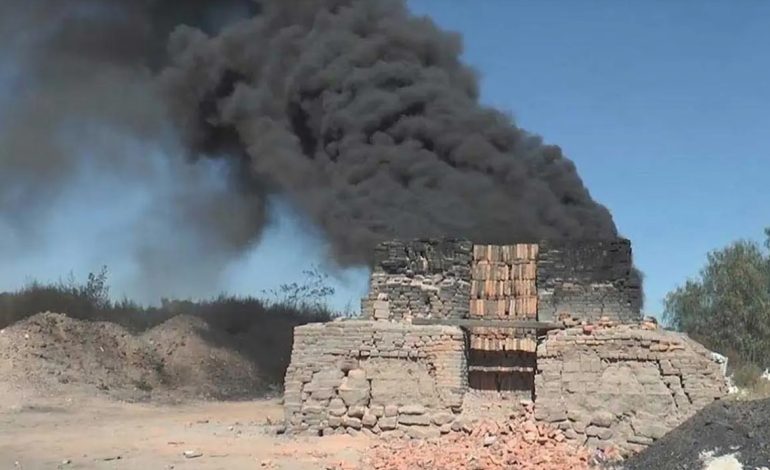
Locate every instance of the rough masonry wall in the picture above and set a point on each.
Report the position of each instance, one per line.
(588, 280)
(419, 279)
(623, 385)
(377, 377)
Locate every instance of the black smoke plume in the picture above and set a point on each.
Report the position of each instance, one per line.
(365, 117)
(359, 114)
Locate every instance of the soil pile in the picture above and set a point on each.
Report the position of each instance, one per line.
(519, 443)
(183, 355)
(722, 428)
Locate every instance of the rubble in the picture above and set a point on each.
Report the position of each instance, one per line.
(489, 444)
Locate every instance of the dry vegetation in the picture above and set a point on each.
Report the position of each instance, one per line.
(259, 330)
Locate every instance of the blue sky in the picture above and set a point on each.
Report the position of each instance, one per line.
(663, 106)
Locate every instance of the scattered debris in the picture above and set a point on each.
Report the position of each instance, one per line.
(519, 443)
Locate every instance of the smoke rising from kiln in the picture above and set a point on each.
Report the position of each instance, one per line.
(355, 112)
(366, 119)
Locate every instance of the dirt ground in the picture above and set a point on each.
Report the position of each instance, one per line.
(95, 433)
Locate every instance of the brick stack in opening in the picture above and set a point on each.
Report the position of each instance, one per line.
(504, 287)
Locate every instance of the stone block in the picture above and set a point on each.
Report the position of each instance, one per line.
(415, 420)
(353, 396)
(600, 432)
(646, 441)
(391, 410)
(322, 394)
(580, 426)
(412, 410)
(649, 428)
(388, 423)
(377, 410)
(442, 418)
(550, 415)
(602, 419)
(356, 411)
(369, 420)
(349, 422)
(313, 409)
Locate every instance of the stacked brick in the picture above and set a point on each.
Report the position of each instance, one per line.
(419, 279)
(622, 386)
(381, 378)
(503, 286)
(587, 279)
(503, 281)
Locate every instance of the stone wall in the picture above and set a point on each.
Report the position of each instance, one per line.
(587, 279)
(623, 385)
(375, 377)
(419, 279)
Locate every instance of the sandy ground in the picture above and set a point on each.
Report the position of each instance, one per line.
(92, 433)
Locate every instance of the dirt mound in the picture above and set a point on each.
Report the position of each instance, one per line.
(722, 428)
(194, 359)
(49, 351)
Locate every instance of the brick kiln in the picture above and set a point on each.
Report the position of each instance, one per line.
(554, 322)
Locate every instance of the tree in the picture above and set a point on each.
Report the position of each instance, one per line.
(728, 307)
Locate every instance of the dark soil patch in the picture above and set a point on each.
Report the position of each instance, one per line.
(726, 427)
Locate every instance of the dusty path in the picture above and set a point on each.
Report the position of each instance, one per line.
(90, 433)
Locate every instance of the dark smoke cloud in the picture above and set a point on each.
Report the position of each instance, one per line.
(359, 114)
(366, 118)
(85, 100)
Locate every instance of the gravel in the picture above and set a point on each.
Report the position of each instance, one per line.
(722, 428)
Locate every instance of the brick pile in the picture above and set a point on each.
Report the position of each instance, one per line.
(622, 385)
(503, 286)
(588, 279)
(419, 279)
(381, 378)
(519, 443)
(502, 361)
